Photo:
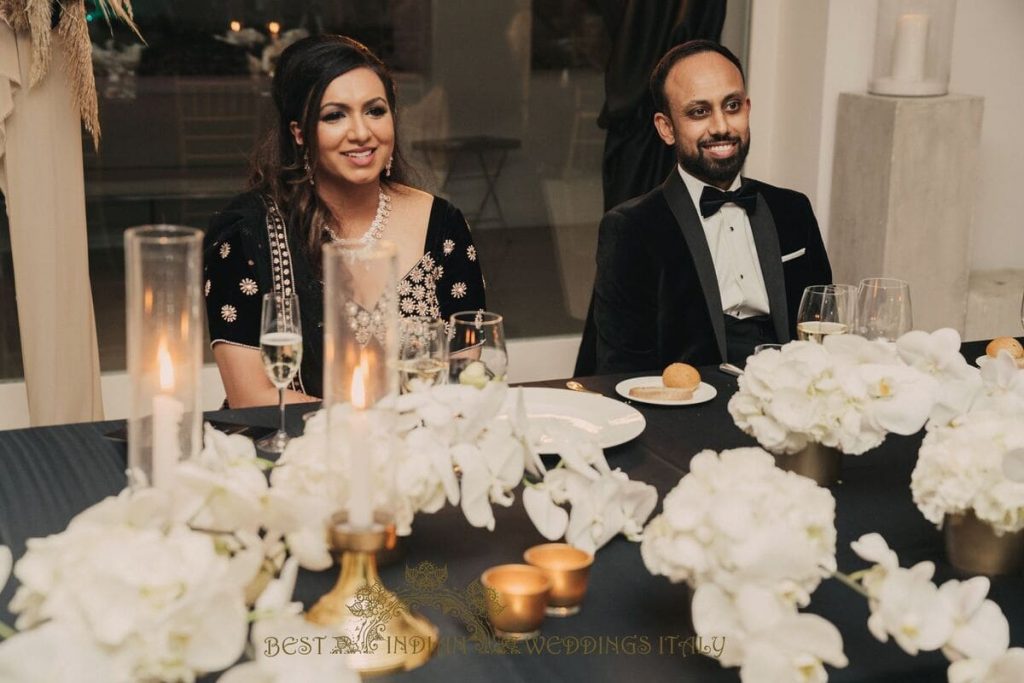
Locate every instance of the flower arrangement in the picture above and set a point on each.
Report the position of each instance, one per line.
(160, 584)
(481, 434)
(754, 542)
(965, 463)
(956, 618)
(849, 393)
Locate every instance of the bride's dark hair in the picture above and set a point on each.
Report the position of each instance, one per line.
(304, 71)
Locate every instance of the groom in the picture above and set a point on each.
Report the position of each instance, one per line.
(709, 264)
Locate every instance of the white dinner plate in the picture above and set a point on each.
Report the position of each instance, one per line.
(611, 422)
(704, 393)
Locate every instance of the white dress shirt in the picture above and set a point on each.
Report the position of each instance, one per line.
(731, 242)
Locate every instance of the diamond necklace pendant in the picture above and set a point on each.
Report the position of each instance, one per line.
(380, 221)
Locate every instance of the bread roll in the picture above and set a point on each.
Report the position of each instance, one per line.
(681, 376)
(661, 393)
(1008, 344)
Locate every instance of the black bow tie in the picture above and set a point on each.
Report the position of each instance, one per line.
(712, 199)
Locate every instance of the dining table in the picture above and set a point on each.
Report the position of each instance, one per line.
(632, 625)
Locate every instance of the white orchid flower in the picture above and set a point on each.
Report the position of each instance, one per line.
(549, 519)
(980, 628)
(28, 657)
(1007, 667)
(908, 607)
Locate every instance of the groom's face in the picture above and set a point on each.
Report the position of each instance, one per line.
(709, 115)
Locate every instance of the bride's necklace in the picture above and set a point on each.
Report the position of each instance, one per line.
(380, 220)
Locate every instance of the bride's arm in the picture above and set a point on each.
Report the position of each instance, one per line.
(245, 381)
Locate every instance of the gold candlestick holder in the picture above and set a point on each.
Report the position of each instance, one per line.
(377, 633)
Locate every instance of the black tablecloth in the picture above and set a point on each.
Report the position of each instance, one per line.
(47, 475)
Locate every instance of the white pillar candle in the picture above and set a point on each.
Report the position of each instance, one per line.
(910, 48)
(167, 414)
(360, 495)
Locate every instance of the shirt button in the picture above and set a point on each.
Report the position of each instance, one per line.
(741, 277)
(731, 229)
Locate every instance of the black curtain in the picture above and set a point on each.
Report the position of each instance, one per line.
(635, 158)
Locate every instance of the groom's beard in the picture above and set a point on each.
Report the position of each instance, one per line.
(714, 171)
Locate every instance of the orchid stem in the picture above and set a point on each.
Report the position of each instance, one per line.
(850, 583)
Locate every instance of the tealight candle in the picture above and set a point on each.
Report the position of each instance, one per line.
(568, 569)
(522, 597)
(235, 26)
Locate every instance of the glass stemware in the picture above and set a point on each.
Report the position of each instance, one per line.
(883, 308)
(281, 352)
(825, 310)
(422, 352)
(477, 353)
(1022, 310)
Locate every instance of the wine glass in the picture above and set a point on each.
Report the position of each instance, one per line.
(422, 352)
(477, 352)
(883, 308)
(281, 352)
(825, 310)
(1022, 311)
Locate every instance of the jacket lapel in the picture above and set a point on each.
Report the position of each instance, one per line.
(766, 240)
(693, 232)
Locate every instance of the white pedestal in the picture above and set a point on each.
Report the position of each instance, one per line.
(903, 188)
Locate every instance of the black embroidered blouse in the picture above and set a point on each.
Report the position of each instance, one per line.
(247, 250)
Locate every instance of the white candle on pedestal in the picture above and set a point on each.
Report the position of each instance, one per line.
(167, 414)
(910, 48)
(360, 495)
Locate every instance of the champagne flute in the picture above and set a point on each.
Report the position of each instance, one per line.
(477, 353)
(825, 310)
(1022, 311)
(281, 352)
(422, 352)
(883, 308)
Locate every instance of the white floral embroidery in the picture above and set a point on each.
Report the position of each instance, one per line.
(225, 249)
(229, 313)
(459, 290)
(438, 272)
(449, 247)
(206, 289)
(416, 274)
(471, 253)
(404, 287)
(428, 262)
(418, 292)
(248, 286)
(408, 306)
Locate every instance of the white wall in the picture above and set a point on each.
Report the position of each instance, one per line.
(988, 60)
(803, 53)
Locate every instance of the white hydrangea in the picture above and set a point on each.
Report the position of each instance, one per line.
(737, 520)
(961, 467)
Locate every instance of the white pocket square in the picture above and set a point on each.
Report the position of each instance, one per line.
(796, 254)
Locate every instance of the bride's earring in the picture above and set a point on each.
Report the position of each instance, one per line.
(387, 169)
(305, 165)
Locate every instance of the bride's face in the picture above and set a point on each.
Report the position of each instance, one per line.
(355, 130)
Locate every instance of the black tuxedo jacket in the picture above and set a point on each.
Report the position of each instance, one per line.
(656, 298)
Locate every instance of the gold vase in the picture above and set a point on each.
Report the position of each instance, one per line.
(821, 463)
(973, 546)
(378, 632)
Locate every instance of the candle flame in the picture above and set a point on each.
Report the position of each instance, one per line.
(274, 27)
(235, 25)
(163, 360)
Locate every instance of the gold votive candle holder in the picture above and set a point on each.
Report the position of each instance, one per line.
(568, 569)
(522, 596)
